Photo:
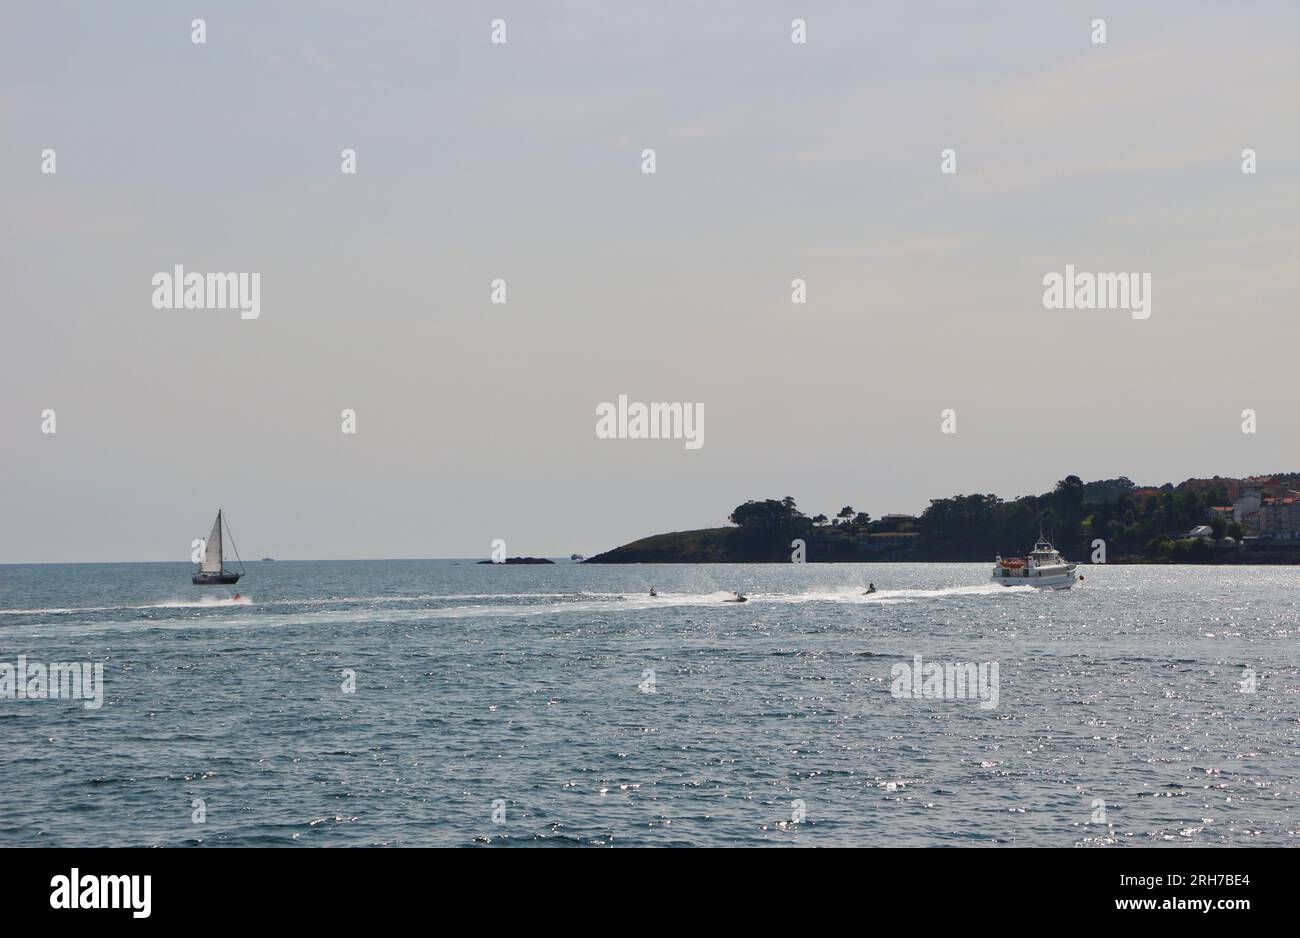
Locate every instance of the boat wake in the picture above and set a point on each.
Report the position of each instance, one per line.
(398, 610)
(887, 595)
(204, 602)
(576, 601)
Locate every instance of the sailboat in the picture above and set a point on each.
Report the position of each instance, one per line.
(212, 571)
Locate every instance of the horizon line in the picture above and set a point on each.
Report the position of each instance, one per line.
(57, 563)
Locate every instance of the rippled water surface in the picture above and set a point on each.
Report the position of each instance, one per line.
(525, 686)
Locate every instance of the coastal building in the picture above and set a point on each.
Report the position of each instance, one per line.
(1142, 496)
(1279, 518)
(1245, 511)
(1247, 504)
(1230, 488)
(1225, 512)
(1265, 485)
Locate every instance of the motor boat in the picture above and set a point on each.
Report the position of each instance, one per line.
(1044, 568)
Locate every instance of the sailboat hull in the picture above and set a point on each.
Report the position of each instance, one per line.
(215, 579)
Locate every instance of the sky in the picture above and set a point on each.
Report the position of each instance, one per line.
(522, 161)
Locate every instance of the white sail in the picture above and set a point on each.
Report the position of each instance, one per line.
(212, 549)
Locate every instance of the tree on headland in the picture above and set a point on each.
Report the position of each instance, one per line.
(768, 514)
(765, 529)
(1150, 523)
(1069, 492)
(1074, 515)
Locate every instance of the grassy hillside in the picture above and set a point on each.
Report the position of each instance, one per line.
(707, 545)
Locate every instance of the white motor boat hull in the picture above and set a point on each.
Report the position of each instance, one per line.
(1045, 581)
(1044, 569)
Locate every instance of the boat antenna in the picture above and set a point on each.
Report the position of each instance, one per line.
(242, 571)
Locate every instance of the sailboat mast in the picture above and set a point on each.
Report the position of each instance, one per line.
(221, 555)
(236, 548)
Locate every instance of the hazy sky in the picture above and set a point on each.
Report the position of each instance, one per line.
(522, 161)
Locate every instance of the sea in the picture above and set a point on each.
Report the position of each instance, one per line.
(448, 703)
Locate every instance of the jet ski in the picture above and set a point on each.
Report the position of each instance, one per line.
(653, 592)
(736, 598)
(871, 588)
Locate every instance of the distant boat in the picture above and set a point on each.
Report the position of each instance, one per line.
(575, 556)
(212, 571)
(1045, 568)
(268, 560)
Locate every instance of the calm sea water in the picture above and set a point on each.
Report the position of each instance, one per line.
(526, 687)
